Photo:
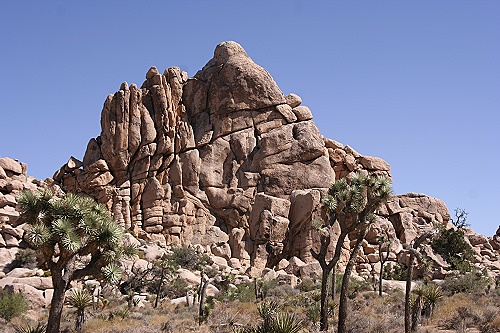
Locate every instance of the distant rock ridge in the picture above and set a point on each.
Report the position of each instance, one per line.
(227, 161)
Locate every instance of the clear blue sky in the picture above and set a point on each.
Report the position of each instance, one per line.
(415, 83)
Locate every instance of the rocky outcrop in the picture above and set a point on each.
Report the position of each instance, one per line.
(220, 155)
(14, 180)
(225, 160)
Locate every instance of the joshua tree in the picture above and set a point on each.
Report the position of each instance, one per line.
(351, 203)
(409, 275)
(383, 240)
(80, 300)
(74, 237)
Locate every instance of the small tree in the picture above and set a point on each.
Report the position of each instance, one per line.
(409, 276)
(351, 203)
(460, 220)
(383, 241)
(451, 243)
(74, 237)
(162, 270)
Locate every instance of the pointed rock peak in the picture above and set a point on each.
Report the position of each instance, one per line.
(225, 50)
(152, 72)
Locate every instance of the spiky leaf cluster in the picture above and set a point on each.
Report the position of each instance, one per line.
(80, 299)
(72, 226)
(358, 196)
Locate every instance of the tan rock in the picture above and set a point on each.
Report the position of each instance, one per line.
(222, 250)
(374, 163)
(40, 283)
(219, 261)
(189, 277)
(310, 271)
(302, 113)
(73, 164)
(7, 200)
(21, 272)
(286, 111)
(293, 100)
(10, 241)
(240, 84)
(34, 296)
(10, 165)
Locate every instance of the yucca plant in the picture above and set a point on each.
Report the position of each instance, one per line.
(274, 320)
(39, 328)
(286, 323)
(66, 229)
(80, 300)
(432, 295)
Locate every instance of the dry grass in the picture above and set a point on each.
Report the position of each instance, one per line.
(367, 313)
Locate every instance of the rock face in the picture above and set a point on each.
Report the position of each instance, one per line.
(14, 180)
(225, 160)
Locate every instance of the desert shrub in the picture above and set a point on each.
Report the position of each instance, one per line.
(358, 285)
(308, 285)
(12, 304)
(281, 291)
(175, 288)
(396, 271)
(490, 322)
(187, 257)
(375, 314)
(470, 282)
(452, 246)
(244, 292)
(26, 258)
(313, 312)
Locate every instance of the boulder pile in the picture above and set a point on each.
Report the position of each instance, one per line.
(223, 159)
(227, 162)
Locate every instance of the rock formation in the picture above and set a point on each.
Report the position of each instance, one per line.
(222, 157)
(227, 161)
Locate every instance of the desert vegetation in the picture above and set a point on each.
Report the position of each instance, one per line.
(286, 309)
(155, 297)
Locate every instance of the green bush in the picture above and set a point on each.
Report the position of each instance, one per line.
(26, 258)
(395, 272)
(470, 282)
(308, 285)
(244, 292)
(187, 257)
(174, 288)
(356, 286)
(12, 304)
(452, 246)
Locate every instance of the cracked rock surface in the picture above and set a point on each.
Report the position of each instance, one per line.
(224, 157)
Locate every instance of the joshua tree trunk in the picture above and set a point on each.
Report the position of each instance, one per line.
(409, 276)
(324, 301)
(345, 282)
(56, 305)
(334, 281)
(408, 293)
(416, 314)
(80, 318)
(203, 294)
(160, 284)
